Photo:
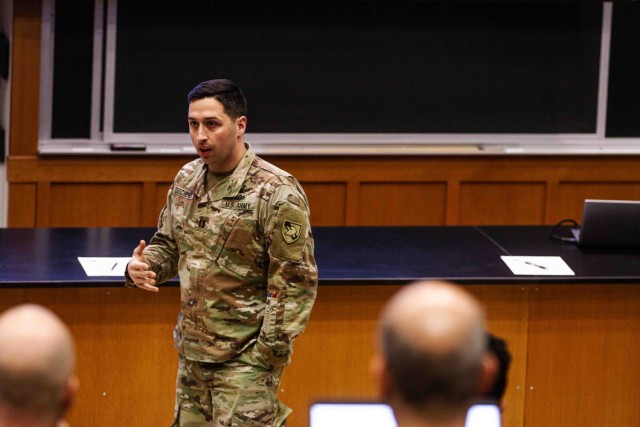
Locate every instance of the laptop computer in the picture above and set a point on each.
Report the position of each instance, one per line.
(375, 414)
(613, 223)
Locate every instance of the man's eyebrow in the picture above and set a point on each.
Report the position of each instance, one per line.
(204, 118)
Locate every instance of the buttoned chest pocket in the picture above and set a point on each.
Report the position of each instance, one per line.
(242, 247)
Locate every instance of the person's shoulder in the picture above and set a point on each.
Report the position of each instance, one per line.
(190, 171)
(271, 172)
(279, 184)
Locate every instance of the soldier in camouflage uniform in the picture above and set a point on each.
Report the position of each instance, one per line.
(236, 230)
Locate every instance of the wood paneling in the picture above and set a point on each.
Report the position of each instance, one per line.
(582, 358)
(361, 191)
(25, 77)
(327, 202)
(402, 203)
(502, 203)
(575, 350)
(22, 205)
(77, 204)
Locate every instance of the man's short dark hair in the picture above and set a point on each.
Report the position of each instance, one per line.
(226, 92)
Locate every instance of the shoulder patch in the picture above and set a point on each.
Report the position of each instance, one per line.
(290, 235)
(290, 231)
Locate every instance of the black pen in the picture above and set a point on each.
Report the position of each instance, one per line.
(114, 266)
(535, 265)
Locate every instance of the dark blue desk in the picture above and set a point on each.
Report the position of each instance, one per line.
(48, 256)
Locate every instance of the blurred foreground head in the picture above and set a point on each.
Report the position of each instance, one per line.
(37, 364)
(433, 360)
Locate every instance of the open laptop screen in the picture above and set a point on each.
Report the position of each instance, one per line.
(609, 223)
(347, 414)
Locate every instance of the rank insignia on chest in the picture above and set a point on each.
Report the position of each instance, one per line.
(290, 231)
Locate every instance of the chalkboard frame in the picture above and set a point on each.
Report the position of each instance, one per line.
(103, 140)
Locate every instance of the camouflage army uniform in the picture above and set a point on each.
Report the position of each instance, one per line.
(248, 280)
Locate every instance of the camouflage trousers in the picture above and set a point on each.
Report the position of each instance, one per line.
(239, 392)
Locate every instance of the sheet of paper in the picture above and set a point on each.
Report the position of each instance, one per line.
(538, 265)
(104, 266)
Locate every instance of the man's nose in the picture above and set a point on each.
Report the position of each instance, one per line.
(201, 135)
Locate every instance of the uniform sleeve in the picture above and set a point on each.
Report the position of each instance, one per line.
(293, 275)
(162, 251)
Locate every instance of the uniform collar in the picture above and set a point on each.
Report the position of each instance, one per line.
(231, 185)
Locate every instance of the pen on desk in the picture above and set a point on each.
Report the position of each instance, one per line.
(535, 265)
(114, 266)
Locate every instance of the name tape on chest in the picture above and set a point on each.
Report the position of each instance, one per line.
(183, 193)
(229, 204)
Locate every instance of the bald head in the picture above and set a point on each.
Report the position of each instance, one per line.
(433, 342)
(37, 360)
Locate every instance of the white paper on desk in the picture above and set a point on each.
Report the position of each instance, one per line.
(538, 265)
(104, 266)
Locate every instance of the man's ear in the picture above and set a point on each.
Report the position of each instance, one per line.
(489, 373)
(378, 368)
(241, 123)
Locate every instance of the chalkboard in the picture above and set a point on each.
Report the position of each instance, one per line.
(527, 70)
(71, 113)
(364, 66)
(623, 108)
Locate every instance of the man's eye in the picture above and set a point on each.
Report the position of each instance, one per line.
(211, 124)
(193, 124)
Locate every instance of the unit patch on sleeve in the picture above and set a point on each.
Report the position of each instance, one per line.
(290, 231)
(290, 234)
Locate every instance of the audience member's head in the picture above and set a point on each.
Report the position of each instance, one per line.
(37, 363)
(433, 361)
(498, 347)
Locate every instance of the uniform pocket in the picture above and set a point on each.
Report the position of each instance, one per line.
(241, 247)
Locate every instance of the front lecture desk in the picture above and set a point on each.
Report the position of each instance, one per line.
(575, 340)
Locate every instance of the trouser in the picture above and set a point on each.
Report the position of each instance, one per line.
(239, 393)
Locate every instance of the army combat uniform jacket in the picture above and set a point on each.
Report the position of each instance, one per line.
(244, 254)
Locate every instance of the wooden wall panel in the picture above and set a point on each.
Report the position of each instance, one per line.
(22, 205)
(86, 205)
(502, 203)
(402, 203)
(364, 191)
(327, 202)
(25, 77)
(575, 350)
(582, 359)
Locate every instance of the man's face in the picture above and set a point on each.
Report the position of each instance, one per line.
(217, 138)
